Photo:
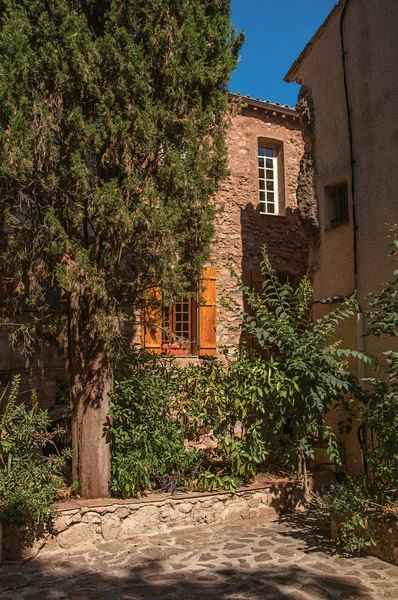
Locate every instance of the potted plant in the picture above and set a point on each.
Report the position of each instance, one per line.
(174, 349)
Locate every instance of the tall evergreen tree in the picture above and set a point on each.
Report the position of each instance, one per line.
(112, 144)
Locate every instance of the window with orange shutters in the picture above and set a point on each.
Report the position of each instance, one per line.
(189, 325)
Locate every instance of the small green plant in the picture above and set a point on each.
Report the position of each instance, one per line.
(353, 511)
(28, 478)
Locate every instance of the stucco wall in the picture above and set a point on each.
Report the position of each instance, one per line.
(370, 33)
(241, 231)
(370, 29)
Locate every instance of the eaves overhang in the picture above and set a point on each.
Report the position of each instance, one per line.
(292, 75)
(276, 107)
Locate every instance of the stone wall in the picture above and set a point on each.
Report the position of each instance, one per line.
(241, 231)
(89, 521)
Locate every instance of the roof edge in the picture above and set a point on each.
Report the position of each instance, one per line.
(291, 75)
(266, 104)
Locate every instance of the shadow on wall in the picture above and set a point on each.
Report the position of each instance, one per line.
(284, 238)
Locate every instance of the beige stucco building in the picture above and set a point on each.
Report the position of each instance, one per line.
(349, 176)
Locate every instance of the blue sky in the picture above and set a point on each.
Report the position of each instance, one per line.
(276, 32)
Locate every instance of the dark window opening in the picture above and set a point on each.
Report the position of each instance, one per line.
(51, 301)
(336, 205)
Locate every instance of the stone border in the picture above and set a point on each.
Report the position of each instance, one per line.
(83, 522)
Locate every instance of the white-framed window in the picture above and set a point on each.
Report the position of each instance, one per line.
(268, 179)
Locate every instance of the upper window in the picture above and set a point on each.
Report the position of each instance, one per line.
(268, 179)
(336, 205)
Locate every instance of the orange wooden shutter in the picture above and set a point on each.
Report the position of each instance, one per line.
(151, 330)
(207, 313)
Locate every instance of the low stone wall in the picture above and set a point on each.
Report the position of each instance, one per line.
(89, 521)
(385, 534)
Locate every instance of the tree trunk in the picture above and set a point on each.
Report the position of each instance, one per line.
(91, 464)
(90, 375)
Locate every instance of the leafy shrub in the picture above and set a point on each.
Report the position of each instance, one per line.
(359, 503)
(157, 404)
(353, 511)
(380, 412)
(260, 402)
(224, 401)
(300, 372)
(147, 440)
(28, 479)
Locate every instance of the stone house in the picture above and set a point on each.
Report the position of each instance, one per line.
(349, 179)
(256, 205)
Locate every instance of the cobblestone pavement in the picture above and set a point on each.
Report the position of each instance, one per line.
(253, 559)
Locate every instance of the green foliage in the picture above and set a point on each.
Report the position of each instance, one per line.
(259, 406)
(28, 479)
(300, 373)
(380, 413)
(383, 313)
(156, 405)
(147, 441)
(112, 144)
(359, 503)
(224, 401)
(353, 511)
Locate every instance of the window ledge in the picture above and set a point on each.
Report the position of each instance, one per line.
(272, 216)
(336, 226)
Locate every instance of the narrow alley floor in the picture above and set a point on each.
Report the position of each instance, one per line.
(290, 559)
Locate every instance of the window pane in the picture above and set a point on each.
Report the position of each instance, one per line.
(268, 167)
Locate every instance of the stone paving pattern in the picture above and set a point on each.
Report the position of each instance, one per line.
(289, 559)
